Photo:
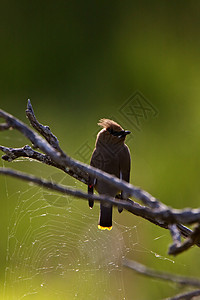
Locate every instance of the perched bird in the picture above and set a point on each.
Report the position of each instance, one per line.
(111, 155)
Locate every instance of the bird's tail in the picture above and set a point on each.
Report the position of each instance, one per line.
(105, 218)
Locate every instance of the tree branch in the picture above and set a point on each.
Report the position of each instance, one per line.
(28, 152)
(153, 210)
(194, 237)
(43, 130)
(63, 189)
(186, 296)
(142, 269)
(182, 280)
(131, 206)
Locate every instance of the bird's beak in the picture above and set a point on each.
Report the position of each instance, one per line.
(127, 132)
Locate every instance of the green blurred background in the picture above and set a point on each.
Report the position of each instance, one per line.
(79, 61)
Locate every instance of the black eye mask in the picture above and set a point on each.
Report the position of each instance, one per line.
(119, 134)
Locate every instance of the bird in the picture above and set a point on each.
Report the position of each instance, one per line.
(110, 155)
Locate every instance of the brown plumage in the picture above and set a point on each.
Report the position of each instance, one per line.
(111, 155)
(106, 123)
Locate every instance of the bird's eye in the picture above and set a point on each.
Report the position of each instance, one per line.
(110, 130)
(116, 133)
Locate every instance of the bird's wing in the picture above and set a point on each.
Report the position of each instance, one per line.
(90, 191)
(95, 162)
(125, 165)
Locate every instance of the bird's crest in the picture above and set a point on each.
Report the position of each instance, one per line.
(109, 124)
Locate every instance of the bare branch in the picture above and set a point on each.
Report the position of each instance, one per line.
(63, 189)
(189, 242)
(43, 130)
(176, 236)
(40, 143)
(27, 151)
(76, 166)
(13, 153)
(142, 269)
(131, 206)
(182, 280)
(186, 296)
(154, 211)
(35, 139)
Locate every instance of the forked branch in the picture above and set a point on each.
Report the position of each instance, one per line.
(151, 209)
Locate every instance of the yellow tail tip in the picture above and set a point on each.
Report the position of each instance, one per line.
(104, 228)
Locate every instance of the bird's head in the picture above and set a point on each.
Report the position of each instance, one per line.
(112, 132)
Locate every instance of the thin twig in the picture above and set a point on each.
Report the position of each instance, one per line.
(186, 296)
(43, 130)
(189, 242)
(176, 236)
(142, 269)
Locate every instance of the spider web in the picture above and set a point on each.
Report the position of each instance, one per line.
(55, 249)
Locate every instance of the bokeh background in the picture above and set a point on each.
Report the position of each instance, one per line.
(79, 61)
